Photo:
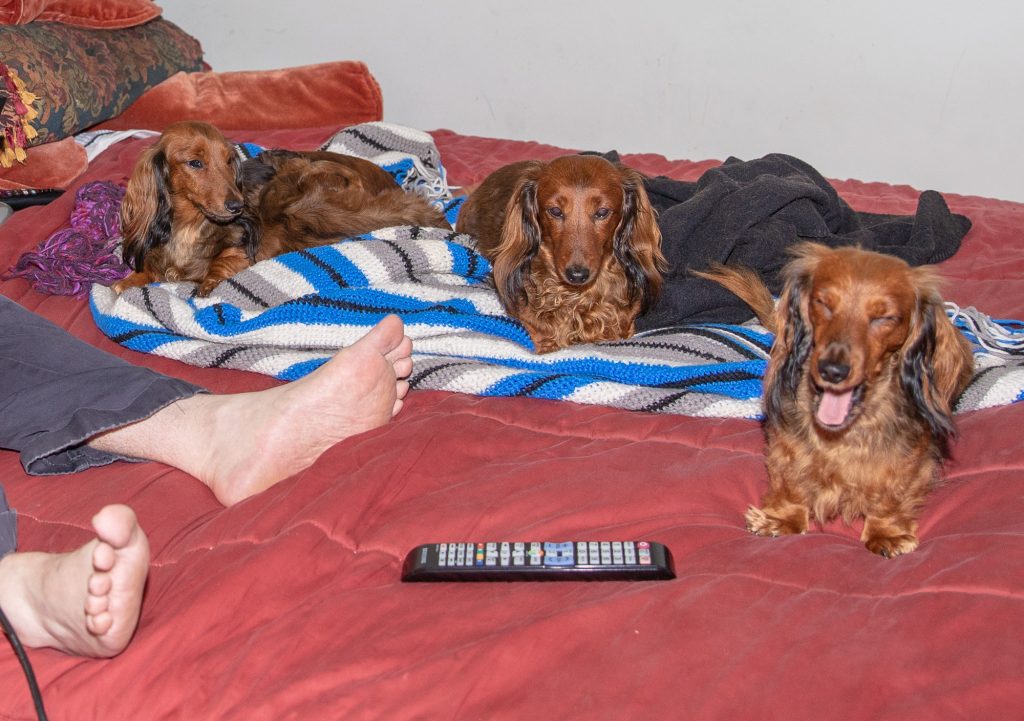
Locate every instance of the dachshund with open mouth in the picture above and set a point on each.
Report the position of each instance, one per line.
(858, 392)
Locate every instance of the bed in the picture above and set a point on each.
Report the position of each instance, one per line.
(289, 605)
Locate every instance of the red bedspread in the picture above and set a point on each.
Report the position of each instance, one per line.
(289, 604)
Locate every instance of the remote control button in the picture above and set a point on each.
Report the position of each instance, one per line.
(535, 561)
(559, 554)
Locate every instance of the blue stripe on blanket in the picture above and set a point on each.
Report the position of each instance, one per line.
(286, 316)
(293, 373)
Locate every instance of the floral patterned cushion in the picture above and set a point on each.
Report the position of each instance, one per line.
(81, 76)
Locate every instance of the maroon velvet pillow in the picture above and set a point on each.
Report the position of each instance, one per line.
(336, 93)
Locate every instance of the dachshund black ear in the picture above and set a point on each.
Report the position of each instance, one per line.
(521, 240)
(252, 234)
(791, 349)
(253, 174)
(637, 241)
(916, 371)
(158, 232)
(623, 248)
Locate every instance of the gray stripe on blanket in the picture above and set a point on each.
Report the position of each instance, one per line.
(471, 345)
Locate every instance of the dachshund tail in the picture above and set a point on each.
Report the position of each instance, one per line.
(746, 284)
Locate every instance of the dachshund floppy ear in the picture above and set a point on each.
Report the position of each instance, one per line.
(936, 360)
(252, 176)
(520, 243)
(637, 244)
(794, 336)
(145, 210)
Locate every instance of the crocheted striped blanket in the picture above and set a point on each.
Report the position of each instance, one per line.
(285, 316)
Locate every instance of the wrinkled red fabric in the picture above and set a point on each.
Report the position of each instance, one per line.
(289, 604)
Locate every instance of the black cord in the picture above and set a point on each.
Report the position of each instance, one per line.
(19, 651)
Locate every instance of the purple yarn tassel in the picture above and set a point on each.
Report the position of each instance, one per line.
(72, 259)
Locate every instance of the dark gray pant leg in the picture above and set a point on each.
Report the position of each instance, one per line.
(56, 392)
(8, 527)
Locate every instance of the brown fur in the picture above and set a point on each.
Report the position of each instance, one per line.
(192, 211)
(574, 245)
(850, 319)
(319, 197)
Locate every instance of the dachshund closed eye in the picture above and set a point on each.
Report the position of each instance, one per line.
(194, 211)
(574, 245)
(859, 390)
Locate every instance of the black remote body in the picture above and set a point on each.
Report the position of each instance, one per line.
(539, 561)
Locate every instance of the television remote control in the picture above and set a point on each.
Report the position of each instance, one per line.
(539, 561)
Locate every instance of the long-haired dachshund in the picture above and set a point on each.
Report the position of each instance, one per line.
(193, 210)
(574, 246)
(859, 390)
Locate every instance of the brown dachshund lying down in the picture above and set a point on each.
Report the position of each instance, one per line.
(574, 246)
(859, 390)
(195, 211)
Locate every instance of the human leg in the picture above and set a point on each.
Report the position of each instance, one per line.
(85, 602)
(8, 526)
(66, 406)
(241, 444)
(57, 391)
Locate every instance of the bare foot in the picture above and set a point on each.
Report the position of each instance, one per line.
(241, 444)
(286, 428)
(85, 602)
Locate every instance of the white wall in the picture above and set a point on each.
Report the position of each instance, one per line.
(924, 92)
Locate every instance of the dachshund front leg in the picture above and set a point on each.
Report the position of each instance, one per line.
(891, 536)
(783, 512)
(229, 262)
(135, 280)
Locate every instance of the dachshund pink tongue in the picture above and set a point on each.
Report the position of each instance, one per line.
(834, 407)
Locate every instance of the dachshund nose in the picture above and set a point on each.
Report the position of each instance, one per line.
(577, 274)
(833, 372)
(233, 206)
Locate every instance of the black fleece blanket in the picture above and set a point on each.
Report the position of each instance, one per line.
(750, 212)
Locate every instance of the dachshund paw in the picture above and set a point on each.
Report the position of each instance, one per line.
(776, 523)
(890, 546)
(545, 347)
(889, 537)
(206, 287)
(135, 280)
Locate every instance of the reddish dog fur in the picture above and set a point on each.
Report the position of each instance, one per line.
(194, 211)
(859, 391)
(574, 246)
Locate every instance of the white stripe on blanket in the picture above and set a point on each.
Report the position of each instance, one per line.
(284, 317)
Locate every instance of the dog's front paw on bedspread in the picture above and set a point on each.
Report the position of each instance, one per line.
(889, 538)
(777, 521)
